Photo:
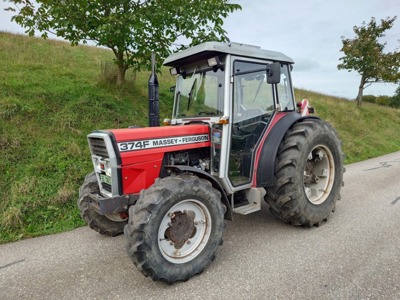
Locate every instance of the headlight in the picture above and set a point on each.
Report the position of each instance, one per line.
(102, 165)
(107, 167)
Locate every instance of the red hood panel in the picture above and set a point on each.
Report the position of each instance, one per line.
(135, 134)
(142, 150)
(136, 142)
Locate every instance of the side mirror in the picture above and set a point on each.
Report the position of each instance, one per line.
(274, 73)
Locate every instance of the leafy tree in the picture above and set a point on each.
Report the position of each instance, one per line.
(364, 54)
(132, 29)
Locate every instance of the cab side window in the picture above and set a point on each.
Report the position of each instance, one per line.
(285, 91)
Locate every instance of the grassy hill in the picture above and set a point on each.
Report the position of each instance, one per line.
(52, 96)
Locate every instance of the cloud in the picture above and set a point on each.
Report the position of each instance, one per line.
(302, 65)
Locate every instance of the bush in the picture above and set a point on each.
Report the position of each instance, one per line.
(395, 101)
(369, 98)
(383, 100)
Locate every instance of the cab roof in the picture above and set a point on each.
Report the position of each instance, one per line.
(209, 49)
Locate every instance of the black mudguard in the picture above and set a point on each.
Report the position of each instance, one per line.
(269, 151)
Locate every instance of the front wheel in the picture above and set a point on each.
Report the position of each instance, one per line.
(308, 174)
(111, 224)
(175, 228)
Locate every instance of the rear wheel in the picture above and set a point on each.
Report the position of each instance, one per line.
(175, 228)
(308, 174)
(112, 224)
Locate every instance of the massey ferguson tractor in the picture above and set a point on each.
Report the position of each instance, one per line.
(236, 137)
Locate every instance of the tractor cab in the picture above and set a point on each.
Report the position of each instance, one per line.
(237, 89)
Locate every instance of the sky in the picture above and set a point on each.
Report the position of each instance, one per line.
(308, 31)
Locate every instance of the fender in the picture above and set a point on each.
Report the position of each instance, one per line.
(214, 182)
(269, 151)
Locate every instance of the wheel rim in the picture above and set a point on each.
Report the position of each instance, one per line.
(319, 174)
(184, 231)
(116, 217)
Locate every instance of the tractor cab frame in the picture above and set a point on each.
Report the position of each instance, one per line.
(240, 91)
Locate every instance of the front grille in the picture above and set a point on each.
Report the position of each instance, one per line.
(104, 163)
(98, 147)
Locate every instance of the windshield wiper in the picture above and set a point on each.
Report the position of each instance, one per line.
(178, 102)
(191, 93)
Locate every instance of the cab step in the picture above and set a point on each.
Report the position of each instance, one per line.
(254, 198)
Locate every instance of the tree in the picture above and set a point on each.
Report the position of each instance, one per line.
(365, 55)
(132, 29)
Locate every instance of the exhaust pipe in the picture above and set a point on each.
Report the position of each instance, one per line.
(154, 114)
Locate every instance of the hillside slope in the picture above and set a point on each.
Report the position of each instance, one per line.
(51, 97)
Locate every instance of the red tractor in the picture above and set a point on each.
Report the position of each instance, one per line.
(236, 137)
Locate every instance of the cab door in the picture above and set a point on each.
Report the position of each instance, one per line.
(253, 108)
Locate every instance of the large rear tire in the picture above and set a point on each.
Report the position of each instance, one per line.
(112, 224)
(175, 228)
(308, 174)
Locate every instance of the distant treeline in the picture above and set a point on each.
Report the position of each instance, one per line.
(384, 100)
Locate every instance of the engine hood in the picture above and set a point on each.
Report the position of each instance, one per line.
(157, 138)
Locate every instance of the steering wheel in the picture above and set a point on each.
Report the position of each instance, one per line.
(208, 113)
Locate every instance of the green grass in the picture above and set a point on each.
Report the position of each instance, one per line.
(368, 132)
(52, 96)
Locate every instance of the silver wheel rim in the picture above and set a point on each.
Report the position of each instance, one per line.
(115, 217)
(175, 252)
(319, 174)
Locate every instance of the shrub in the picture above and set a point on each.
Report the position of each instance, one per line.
(369, 98)
(383, 100)
(395, 101)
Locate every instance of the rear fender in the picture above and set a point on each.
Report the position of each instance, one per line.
(269, 151)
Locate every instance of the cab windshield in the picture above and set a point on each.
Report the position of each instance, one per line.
(199, 94)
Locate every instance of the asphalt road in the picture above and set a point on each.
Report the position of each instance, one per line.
(355, 255)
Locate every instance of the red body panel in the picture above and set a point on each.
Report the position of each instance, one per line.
(142, 151)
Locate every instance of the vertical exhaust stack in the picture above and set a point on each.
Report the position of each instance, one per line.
(154, 118)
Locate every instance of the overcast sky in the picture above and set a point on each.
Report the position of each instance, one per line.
(308, 31)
